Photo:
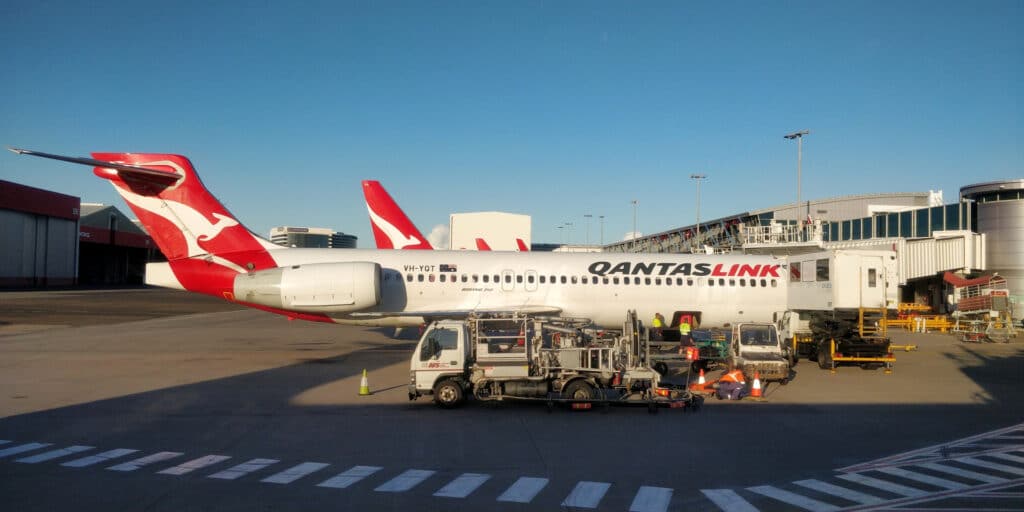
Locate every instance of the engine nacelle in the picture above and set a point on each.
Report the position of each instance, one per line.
(313, 288)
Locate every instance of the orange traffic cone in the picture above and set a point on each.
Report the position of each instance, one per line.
(755, 391)
(699, 386)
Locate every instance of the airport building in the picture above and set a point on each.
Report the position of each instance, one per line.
(982, 232)
(498, 231)
(325, 238)
(53, 239)
(39, 237)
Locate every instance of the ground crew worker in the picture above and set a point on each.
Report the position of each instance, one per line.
(658, 323)
(732, 385)
(685, 340)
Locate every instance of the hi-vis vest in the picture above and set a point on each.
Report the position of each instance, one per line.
(684, 328)
(656, 323)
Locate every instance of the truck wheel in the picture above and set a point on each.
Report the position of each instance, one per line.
(579, 390)
(823, 360)
(448, 394)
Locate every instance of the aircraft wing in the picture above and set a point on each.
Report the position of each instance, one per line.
(462, 313)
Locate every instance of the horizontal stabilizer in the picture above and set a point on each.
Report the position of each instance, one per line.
(142, 173)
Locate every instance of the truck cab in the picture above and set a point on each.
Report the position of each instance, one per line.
(439, 362)
(757, 348)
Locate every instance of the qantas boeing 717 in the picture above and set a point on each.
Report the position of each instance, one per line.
(209, 251)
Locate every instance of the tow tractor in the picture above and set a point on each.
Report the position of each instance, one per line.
(545, 359)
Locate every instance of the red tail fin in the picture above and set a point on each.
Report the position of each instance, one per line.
(392, 229)
(205, 245)
(522, 245)
(481, 245)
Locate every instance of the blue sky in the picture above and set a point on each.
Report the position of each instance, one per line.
(552, 109)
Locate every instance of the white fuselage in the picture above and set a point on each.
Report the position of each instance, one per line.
(588, 285)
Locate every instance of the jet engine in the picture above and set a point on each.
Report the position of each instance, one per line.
(313, 288)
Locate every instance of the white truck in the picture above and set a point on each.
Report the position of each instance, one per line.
(533, 358)
(755, 348)
(851, 285)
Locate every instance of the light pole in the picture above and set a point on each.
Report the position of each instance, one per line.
(602, 229)
(634, 221)
(799, 136)
(561, 233)
(588, 217)
(698, 178)
(569, 225)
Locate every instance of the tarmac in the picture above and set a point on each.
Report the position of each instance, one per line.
(233, 409)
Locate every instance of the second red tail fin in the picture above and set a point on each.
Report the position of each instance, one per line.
(392, 229)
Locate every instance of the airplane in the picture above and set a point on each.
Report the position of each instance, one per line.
(210, 252)
(392, 228)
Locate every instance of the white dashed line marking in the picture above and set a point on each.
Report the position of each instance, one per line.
(523, 490)
(793, 498)
(243, 469)
(133, 465)
(586, 495)
(651, 499)
(462, 486)
(54, 454)
(405, 481)
(21, 448)
(353, 475)
(194, 464)
(292, 474)
(99, 457)
(728, 500)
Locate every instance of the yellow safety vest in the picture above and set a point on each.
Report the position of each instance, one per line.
(657, 322)
(684, 328)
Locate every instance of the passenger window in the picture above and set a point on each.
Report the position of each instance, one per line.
(408, 277)
(657, 281)
(419, 277)
(636, 280)
(430, 278)
(872, 278)
(732, 282)
(605, 280)
(529, 278)
(689, 282)
(615, 280)
(774, 283)
(668, 281)
(764, 283)
(508, 278)
(679, 281)
(711, 282)
(573, 279)
(542, 279)
(583, 279)
(476, 278)
(563, 279)
(721, 282)
(519, 278)
(465, 278)
(487, 278)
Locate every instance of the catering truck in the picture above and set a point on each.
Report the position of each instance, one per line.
(542, 359)
(843, 290)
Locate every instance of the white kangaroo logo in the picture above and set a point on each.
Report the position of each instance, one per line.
(193, 224)
(398, 239)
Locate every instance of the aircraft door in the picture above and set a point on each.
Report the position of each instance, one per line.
(531, 280)
(508, 282)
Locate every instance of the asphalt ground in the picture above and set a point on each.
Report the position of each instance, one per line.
(180, 377)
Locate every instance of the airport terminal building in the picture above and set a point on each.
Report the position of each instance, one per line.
(982, 232)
